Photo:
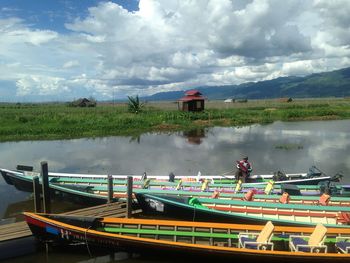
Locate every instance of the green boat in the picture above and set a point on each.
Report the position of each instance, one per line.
(240, 211)
(22, 181)
(91, 191)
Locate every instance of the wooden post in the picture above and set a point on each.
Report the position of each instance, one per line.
(129, 197)
(110, 189)
(45, 187)
(36, 191)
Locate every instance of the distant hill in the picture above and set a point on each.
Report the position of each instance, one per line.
(326, 84)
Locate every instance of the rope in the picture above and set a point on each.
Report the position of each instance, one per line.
(194, 214)
(228, 172)
(86, 242)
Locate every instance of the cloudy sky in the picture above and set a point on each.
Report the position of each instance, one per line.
(66, 49)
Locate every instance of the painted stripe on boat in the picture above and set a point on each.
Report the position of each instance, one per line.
(94, 234)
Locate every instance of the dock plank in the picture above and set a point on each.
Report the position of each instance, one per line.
(12, 231)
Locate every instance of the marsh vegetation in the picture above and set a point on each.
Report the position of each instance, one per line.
(58, 121)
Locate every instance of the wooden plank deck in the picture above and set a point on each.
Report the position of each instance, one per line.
(10, 232)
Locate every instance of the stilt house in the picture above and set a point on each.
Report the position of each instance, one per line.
(192, 101)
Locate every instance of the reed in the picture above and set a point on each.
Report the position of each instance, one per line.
(58, 121)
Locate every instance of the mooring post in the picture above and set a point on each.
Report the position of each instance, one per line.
(110, 189)
(129, 197)
(36, 191)
(45, 187)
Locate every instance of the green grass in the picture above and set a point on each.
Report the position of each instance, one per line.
(58, 121)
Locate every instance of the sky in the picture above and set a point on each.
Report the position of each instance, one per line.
(61, 50)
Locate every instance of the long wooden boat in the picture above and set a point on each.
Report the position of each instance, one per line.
(75, 193)
(97, 194)
(230, 211)
(312, 177)
(23, 181)
(181, 237)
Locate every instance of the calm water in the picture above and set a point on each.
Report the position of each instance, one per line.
(289, 147)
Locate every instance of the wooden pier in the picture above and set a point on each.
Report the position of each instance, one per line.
(10, 232)
(16, 239)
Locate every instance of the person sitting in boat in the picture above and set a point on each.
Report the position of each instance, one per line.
(244, 168)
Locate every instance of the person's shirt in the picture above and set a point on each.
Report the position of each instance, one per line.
(245, 166)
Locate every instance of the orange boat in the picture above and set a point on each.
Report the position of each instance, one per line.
(236, 241)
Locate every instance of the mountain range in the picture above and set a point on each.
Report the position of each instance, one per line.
(326, 84)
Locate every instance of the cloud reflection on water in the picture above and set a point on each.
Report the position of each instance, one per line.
(325, 144)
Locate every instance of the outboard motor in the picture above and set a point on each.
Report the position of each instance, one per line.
(334, 190)
(337, 177)
(314, 172)
(324, 187)
(172, 177)
(279, 176)
(291, 189)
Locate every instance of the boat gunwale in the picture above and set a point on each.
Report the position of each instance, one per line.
(84, 231)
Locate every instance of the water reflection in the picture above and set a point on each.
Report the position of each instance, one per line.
(9, 195)
(324, 144)
(194, 136)
(136, 139)
(78, 254)
(13, 211)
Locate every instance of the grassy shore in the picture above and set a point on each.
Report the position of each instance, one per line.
(58, 121)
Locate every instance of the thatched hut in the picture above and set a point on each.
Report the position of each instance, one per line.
(83, 102)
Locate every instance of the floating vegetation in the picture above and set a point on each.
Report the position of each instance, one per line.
(289, 146)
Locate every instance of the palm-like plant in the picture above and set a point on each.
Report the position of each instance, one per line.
(134, 104)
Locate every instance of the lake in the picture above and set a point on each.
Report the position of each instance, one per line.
(290, 147)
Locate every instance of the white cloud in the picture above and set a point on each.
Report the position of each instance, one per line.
(12, 32)
(171, 45)
(298, 68)
(71, 64)
(40, 85)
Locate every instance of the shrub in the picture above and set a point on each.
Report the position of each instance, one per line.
(134, 104)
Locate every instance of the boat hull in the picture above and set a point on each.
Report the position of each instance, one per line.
(6, 177)
(241, 212)
(74, 193)
(85, 232)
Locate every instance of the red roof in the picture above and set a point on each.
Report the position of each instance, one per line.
(193, 92)
(189, 98)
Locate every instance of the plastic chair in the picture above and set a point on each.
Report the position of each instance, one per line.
(284, 199)
(342, 244)
(249, 196)
(179, 185)
(311, 243)
(260, 241)
(215, 194)
(324, 199)
(205, 185)
(238, 187)
(269, 187)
